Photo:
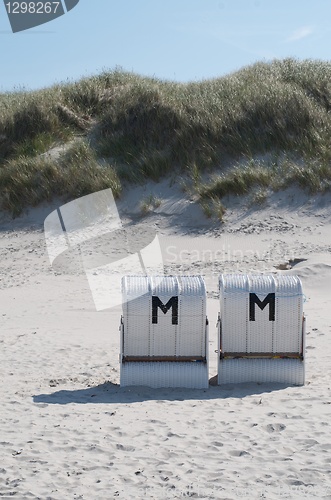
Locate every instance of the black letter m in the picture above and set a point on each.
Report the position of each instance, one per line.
(270, 299)
(173, 302)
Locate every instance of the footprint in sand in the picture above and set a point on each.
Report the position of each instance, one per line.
(125, 448)
(238, 453)
(275, 427)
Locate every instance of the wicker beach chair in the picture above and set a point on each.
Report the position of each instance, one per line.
(261, 329)
(164, 332)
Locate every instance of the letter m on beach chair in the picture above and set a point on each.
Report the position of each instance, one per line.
(172, 303)
(269, 300)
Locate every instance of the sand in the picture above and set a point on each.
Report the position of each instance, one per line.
(67, 428)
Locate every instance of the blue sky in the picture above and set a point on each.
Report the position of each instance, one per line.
(181, 40)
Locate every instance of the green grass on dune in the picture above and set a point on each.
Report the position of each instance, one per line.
(146, 128)
(258, 176)
(28, 181)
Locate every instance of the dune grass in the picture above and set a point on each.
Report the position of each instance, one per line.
(313, 175)
(149, 203)
(145, 128)
(28, 181)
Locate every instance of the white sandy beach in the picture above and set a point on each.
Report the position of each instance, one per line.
(67, 429)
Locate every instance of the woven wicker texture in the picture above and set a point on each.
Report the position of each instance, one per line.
(283, 371)
(142, 337)
(163, 374)
(240, 334)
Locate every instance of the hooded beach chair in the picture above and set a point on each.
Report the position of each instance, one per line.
(164, 332)
(261, 329)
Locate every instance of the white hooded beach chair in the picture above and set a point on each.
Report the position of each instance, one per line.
(164, 332)
(261, 329)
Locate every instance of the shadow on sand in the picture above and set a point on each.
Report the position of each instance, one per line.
(112, 393)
